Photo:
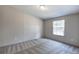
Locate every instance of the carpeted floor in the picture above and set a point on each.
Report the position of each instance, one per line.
(39, 46)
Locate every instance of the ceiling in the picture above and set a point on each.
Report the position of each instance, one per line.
(51, 11)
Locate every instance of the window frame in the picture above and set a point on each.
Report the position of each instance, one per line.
(54, 31)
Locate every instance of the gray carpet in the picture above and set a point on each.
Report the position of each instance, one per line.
(39, 46)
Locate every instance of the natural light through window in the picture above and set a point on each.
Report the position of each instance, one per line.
(58, 27)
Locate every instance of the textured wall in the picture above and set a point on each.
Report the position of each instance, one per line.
(71, 29)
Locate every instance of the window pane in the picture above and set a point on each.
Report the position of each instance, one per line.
(58, 27)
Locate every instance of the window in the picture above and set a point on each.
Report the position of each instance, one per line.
(58, 27)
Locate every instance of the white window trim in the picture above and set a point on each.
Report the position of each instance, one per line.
(58, 33)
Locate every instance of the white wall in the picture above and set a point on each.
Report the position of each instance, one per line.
(16, 26)
(71, 29)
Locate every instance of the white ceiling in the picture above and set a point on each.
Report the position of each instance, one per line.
(51, 11)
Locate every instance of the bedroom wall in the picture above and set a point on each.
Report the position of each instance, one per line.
(16, 26)
(71, 29)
